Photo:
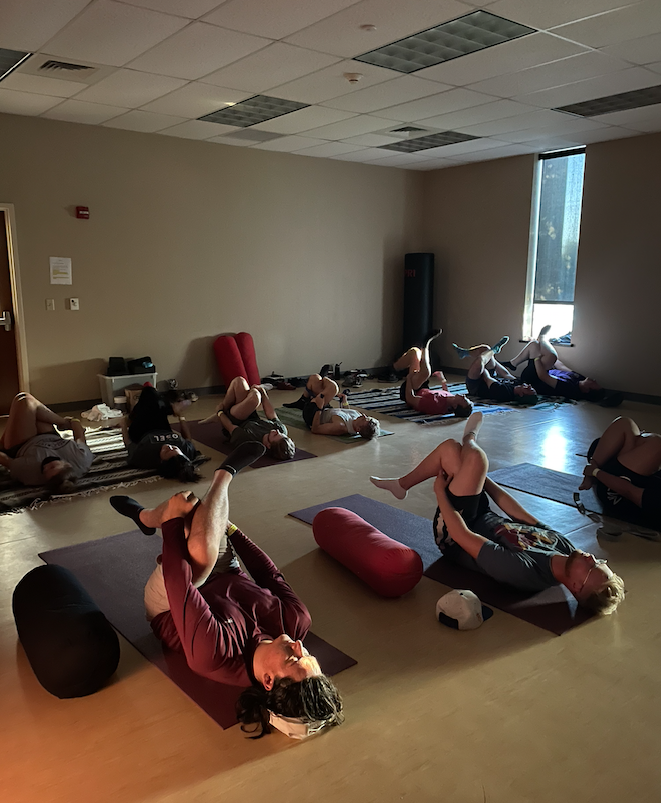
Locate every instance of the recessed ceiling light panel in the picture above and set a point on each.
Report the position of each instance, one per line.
(622, 102)
(469, 33)
(10, 59)
(253, 110)
(424, 143)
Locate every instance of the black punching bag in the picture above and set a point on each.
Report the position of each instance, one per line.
(418, 299)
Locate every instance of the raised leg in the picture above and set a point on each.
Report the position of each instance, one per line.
(241, 400)
(29, 417)
(318, 385)
(468, 480)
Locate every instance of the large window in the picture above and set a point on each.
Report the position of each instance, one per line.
(554, 232)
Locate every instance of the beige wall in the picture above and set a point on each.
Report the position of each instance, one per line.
(187, 240)
(477, 223)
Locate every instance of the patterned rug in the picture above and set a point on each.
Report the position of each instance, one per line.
(387, 401)
(109, 470)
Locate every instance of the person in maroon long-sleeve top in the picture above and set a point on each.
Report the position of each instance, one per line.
(232, 627)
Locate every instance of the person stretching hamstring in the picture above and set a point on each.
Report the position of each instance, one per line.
(33, 451)
(233, 628)
(489, 379)
(549, 376)
(625, 470)
(322, 419)
(151, 441)
(238, 415)
(415, 390)
(515, 549)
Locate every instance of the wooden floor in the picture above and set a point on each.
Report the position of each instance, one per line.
(503, 714)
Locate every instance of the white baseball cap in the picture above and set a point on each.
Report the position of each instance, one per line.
(462, 610)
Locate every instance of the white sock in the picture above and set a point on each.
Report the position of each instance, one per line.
(390, 485)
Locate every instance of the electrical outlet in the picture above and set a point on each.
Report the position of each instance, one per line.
(50, 305)
(73, 304)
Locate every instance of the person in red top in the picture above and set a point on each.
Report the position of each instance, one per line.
(415, 390)
(234, 627)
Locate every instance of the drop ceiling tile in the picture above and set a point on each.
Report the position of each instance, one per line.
(520, 122)
(289, 144)
(546, 76)
(29, 24)
(496, 153)
(304, 120)
(631, 22)
(459, 148)
(78, 111)
(28, 103)
(113, 33)
(544, 14)
(276, 64)
(431, 164)
(648, 127)
(274, 20)
(129, 88)
(197, 50)
(191, 9)
(632, 117)
(592, 88)
(400, 159)
(341, 34)
(443, 103)
(605, 134)
(362, 155)
(370, 140)
(474, 115)
(329, 149)
(645, 50)
(148, 123)
(508, 57)
(572, 125)
(654, 67)
(197, 129)
(361, 124)
(195, 100)
(388, 93)
(239, 143)
(546, 144)
(331, 83)
(41, 85)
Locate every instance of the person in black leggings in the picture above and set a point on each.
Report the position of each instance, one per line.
(151, 441)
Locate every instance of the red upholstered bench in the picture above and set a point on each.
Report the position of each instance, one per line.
(388, 567)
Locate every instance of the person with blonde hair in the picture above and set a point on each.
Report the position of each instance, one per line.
(515, 549)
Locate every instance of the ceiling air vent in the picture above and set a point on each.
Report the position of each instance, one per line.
(52, 65)
(47, 66)
(409, 129)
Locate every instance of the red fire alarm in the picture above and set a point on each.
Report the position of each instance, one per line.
(83, 212)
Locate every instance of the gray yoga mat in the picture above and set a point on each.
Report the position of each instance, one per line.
(554, 609)
(547, 483)
(114, 571)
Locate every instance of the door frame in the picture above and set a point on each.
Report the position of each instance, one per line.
(17, 297)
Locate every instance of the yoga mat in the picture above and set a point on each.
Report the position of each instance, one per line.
(554, 609)
(211, 435)
(294, 418)
(114, 571)
(547, 483)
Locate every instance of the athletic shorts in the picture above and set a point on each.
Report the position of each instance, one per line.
(402, 389)
(470, 508)
(309, 412)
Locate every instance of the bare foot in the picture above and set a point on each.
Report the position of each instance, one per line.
(587, 483)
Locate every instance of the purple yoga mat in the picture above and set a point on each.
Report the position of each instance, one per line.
(554, 609)
(114, 571)
(211, 435)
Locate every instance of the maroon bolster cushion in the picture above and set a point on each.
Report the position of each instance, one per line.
(228, 357)
(246, 347)
(388, 567)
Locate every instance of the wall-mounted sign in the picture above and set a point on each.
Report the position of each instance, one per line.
(60, 270)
